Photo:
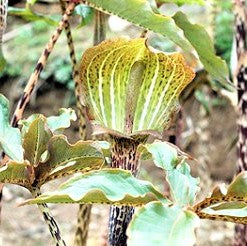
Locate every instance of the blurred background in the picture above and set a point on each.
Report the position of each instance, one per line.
(206, 126)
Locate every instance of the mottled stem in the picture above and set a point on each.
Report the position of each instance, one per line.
(125, 156)
(240, 10)
(50, 221)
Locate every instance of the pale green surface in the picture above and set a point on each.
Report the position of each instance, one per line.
(183, 186)
(10, 137)
(55, 123)
(157, 224)
(163, 155)
(105, 186)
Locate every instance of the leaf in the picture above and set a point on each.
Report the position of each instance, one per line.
(35, 140)
(146, 18)
(28, 15)
(111, 186)
(202, 43)
(128, 65)
(16, 173)
(238, 187)
(86, 14)
(61, 121)
(10, 137)
(182, 2)
(157, 224)
(165, 25)
(55, 123)
(234, 209)
(226, 204)
(65, 158)
(183, 186)
(163, 155)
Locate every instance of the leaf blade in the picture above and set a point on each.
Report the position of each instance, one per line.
(97, 187)
(157, 224)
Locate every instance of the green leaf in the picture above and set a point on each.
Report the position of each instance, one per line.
(182, 2)
(65, 158)
(120, 65)
(165, 25)
(236, 209)
(16, 173)
(63, 120)
(157, 224)
(35, 140)
(145, 18)
(238, 187)
(111, 186)
(229, 204)
(86, 14)
(10, 137)
(183, 186)
(54, 123)
(28, 15)
(163, 155)
(202, 43)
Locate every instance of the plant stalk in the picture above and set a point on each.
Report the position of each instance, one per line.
(50, 221)
(125, 156)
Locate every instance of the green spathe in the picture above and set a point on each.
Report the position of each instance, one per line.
(129, 88)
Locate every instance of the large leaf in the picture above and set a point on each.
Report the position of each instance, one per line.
(16, 173)
(111, 186)
(152, 82)
(183, 186)
(10, 137)
(35, 140)
(157, 224)
(65, 158)
(202, 43)
(146, 18)
(165, 25)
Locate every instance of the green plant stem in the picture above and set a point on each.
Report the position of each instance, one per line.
(50, 221)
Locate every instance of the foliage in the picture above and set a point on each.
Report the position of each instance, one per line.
(181, 2)
(47, 156)
(10, 138)
(167, 222)
(94, 187)
(171, 27)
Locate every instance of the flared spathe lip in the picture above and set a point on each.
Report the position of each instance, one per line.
(129, 88)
